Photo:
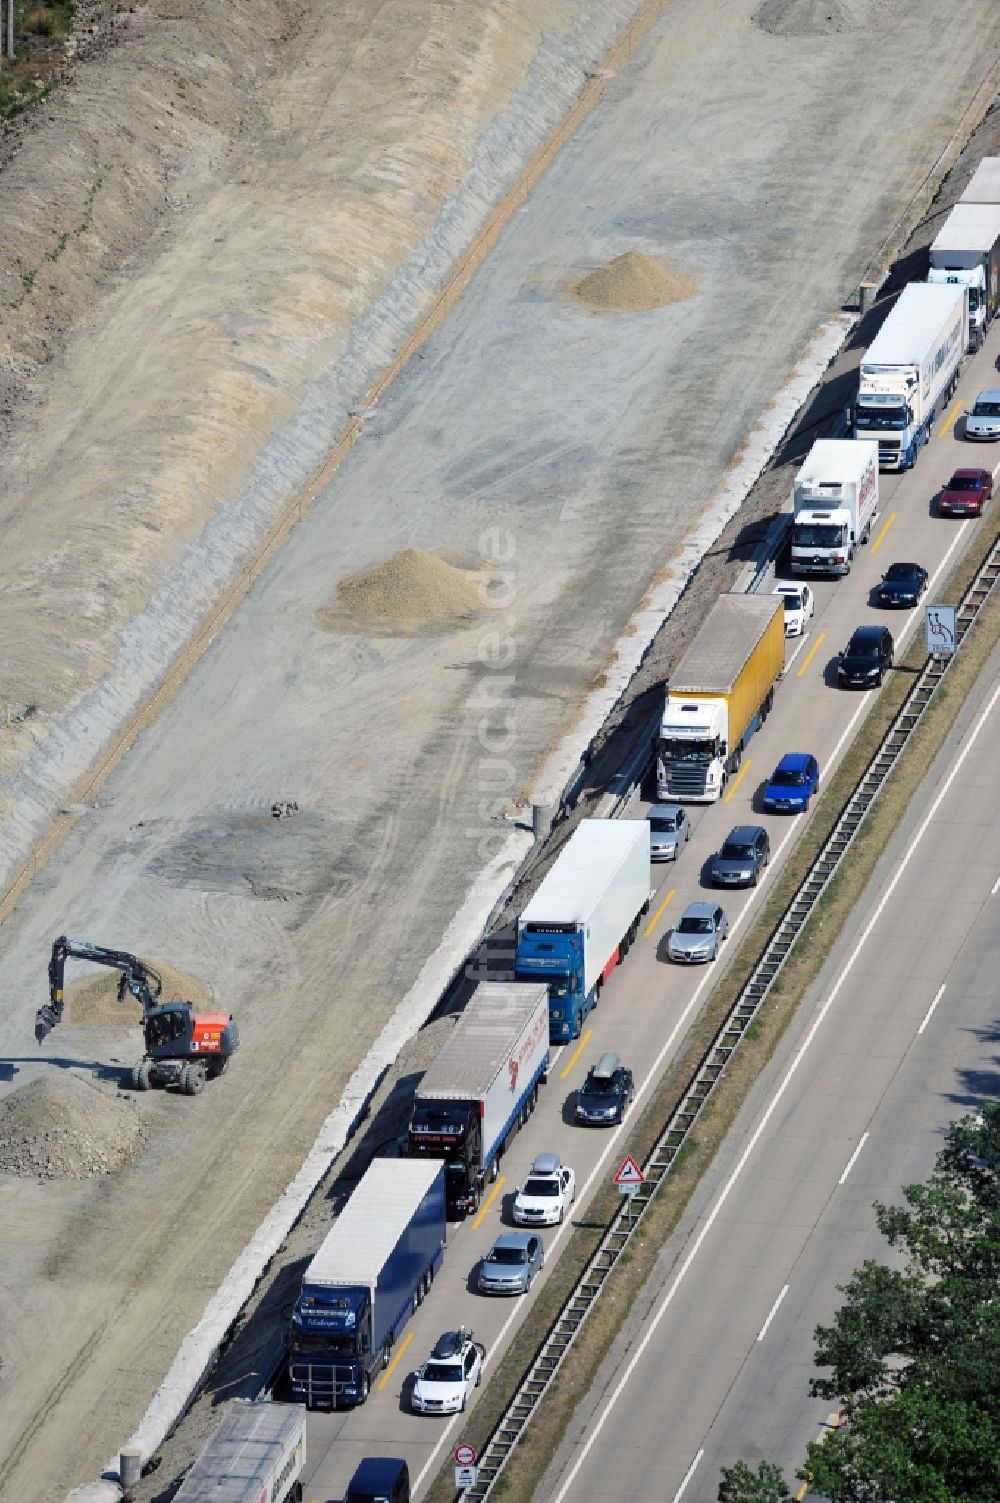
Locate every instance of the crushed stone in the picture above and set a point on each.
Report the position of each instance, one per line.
(64, 1127)
(816, 18)
(410, 590)
(633, 282)
(92, 1002)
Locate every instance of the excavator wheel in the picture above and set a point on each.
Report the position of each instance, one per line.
(141, 1080)
(193, 1079)
(218, 1067)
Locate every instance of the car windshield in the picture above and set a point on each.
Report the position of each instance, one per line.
(509, 1255)
(792, 602)
(788, 777)
(902, 571)
(442, 1372)
(537, 1187)
(986, 409)
(817, 535)
(862, 647)
(881, 418)
(963, 483)
(663, 824)
(687, 751)
(692, 923)
(733, 852)
(600, 1085)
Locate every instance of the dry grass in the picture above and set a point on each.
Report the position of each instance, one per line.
(536, 1449)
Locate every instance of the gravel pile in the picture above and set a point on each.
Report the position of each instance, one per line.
(411, 589)
(818, 18)
(633, 282)
(92, 1002)
(63, 1127)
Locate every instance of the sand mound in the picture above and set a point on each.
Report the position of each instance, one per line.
(632, 282)
(817, 18)
(93, 1002)
(405, 592)
(62, 1127)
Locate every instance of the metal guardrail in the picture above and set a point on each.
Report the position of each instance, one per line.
(571, 1318)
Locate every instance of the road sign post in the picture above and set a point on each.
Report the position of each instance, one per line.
(465, 1476)
(939, 630)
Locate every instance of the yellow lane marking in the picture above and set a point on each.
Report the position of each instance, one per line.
(949, 420)
(657, 915)
(801, 1492)
(401, 1348)
(737, 780)
(811, 653)
(888, 523)
(576, 1053)
(491, 1197)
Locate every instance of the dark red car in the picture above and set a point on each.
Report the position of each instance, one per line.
(966, 493)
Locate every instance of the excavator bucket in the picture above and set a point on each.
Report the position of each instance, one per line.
(46, 1019)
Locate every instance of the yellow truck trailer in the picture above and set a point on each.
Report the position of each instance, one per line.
(719, 694)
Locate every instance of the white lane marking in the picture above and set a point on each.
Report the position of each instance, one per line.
(937, 999)
(995, 888)
(854, 1156)
(688, 1475)
(802, 642)
(772, 1106)
(996, 468)
(774, 1310)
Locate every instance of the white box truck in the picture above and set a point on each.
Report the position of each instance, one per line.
(911, 370)
(584, 917)
(719, 694)
(966, 253)
(834, 504)
(482, 1087)
(255, 1455)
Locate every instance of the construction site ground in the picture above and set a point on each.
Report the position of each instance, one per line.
(566, 449)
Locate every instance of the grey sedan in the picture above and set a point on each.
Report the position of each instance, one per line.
(698, 936)
(745, 852)
(669, 831)
(511, 1264)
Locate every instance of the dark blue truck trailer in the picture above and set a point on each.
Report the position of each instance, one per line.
(374, 1268)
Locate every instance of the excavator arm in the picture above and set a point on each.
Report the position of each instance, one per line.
(137, 979)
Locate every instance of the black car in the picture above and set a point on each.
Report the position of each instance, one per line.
(744, 854)
(901, 584)
(866, 657)
(605, 1093)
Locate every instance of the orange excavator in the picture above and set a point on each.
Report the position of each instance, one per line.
(183, 1047)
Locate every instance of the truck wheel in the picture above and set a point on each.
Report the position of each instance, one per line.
(192, 1079)
(366, 1386)
(140, 1076)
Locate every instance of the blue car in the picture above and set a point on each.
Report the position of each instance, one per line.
(792, 784)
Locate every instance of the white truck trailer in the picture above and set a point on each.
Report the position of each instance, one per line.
(984, 184)
(255, 1455)
(966, 253)
(481, 1087)
(834, 504)
(719, 694)
(582, 920)
(911, 370)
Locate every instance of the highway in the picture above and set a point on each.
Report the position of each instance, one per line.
(644, 1012)
(897, 1037)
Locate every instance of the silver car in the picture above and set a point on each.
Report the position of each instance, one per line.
(983, 422)
(511, 1264)
(698, 936)
(669, 831)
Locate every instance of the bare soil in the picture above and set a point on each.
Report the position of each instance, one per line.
(411, 589)
(633, 282)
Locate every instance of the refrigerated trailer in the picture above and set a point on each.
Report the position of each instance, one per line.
(584, 917)
(374, 1268)
(966, 253)
(482, 1087)
(984, 184)
(910, 371)
(834, 505)
(255, 1455)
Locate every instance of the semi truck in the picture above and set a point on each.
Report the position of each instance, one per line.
(834, 504)
(966, 253)
(984, 184)
(719, 694)
(375, 1266)
(481, 1088)
(255, 1455)
(910, 370)
(582, 920)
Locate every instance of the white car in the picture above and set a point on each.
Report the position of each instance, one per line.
(799, 607)
(545, 1194)
(453, 1369)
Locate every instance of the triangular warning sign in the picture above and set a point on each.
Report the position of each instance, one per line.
(629, 1172)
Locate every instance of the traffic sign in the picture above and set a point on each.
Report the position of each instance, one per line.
(939, 630)
(629, 1176)
(465, 1476)
(466, 1455)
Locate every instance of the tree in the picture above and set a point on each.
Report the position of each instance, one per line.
(741, 1485)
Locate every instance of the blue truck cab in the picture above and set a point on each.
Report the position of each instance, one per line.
(374, 1268)
(553, 953)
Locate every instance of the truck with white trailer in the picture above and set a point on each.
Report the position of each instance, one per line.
(375, 1266)
(966, 253)
(834, 504)
(255, 1455)
(719, 694)
(984, 184)
(482, 1087)
(582, 920)
(910, 371)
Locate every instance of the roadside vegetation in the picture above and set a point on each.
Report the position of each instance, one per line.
(626, 1285)
(41, 30)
